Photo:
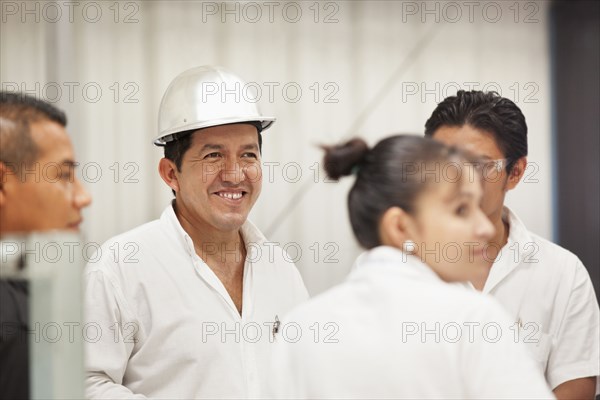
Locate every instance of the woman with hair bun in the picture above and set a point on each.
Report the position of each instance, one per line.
(399, 326)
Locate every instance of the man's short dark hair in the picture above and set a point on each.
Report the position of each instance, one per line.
(486, 111)
(17, 112)
(176, 149)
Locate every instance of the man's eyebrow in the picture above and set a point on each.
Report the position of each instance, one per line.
(210, 146)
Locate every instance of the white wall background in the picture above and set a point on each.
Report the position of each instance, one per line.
(387, 64)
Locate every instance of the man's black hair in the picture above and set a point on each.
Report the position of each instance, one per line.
(486, 111)
(17, 112)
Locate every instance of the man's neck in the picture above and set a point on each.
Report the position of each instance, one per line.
(495, 244)
(502, 229)
(218, 249)
(223, 251)
(213, 246)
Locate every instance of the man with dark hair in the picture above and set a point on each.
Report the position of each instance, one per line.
(38, 187)
(38, 192)
(545, 287)
(176, 149)
(196, 313)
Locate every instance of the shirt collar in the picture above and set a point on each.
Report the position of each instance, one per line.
(394, 261)
(517, 233)
(250, 233)
(518, 246)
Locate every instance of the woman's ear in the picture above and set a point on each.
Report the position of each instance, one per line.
(168, 172)
(394, 227)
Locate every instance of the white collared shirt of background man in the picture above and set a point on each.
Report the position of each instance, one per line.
(161, 324)
(548, 292)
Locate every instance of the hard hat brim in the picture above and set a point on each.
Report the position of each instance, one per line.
(171, 135)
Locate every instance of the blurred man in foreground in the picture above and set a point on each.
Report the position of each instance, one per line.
(38, 192)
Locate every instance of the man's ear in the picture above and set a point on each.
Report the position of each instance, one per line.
(5, 174)
(516, 173)
(394, 227)
(168, 172)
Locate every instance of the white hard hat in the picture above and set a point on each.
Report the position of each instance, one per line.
(207, 96)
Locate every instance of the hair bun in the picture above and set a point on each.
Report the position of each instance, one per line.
(341, 159)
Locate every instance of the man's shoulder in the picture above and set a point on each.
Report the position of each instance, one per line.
(541, 250)
(140, 234)
(552, 253)
(129, 247)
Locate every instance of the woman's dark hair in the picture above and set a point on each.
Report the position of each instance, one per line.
(391, 174)
(488, 112)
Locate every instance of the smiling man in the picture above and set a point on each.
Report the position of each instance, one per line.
(194, 311)
(544, 287)
(38, 192)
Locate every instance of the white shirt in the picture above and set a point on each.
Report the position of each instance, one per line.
(169, 329)
(394, 329)
(548, 290)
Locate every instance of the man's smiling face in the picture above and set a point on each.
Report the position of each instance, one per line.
(220, 177)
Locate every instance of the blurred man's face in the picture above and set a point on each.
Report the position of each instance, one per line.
(45, 195)
(483, 145)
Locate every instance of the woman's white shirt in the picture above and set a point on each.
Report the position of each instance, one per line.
(394, 329)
